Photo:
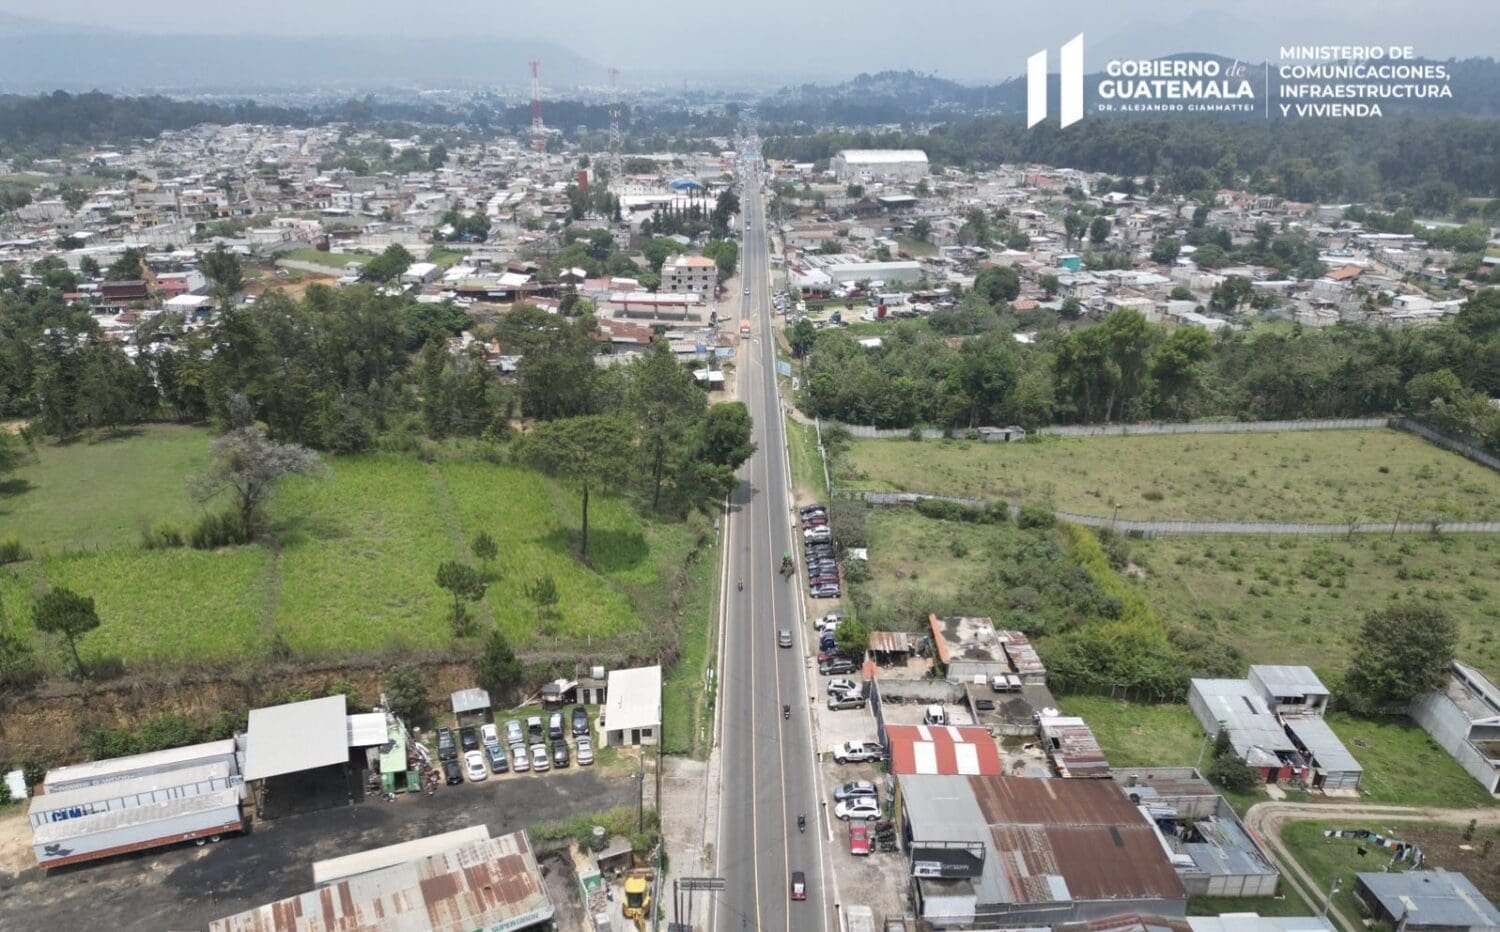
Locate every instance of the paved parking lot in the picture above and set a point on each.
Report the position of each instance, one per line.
(187, 887)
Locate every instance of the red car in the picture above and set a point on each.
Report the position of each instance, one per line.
(859, 838)
(799, 886)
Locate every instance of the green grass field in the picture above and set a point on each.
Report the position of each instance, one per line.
(1404, 766)
(1300, 599)
(807, 463)
(349, 569)
(93, 495)
(334, 260)
(920, 565)
(1320, 476)
(1139, 734)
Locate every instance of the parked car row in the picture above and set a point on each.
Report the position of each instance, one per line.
(823, 580)
(538, 747)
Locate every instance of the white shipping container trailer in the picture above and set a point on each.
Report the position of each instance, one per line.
(95, 772)
(105, 834)
(127, 794)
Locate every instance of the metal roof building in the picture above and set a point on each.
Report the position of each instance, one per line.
(1289, 689)
(1254, 732)
(1049, 851)
(362, 862)
(297, 736)
(1074, 750)
(1334, 768)
(1436, 899)
(954, 750)
(493, 885)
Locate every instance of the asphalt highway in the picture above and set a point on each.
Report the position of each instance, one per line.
(768, 761)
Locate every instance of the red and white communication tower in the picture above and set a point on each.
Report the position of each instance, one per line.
(538, 131)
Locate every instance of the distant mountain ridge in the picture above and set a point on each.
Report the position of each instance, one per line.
(40, 56)
(902, 96)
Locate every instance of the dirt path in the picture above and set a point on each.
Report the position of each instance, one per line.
(1265, 821)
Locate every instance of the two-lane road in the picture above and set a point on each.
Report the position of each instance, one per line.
(768, 775)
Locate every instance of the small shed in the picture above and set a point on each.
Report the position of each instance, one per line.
(471, 707)
(890, 647)
(559, 692)
(1289, 689)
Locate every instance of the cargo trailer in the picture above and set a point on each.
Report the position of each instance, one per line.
(74, 776)
(105, 834)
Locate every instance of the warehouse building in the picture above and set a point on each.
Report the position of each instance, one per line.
(1255, 734)
(955, 750)
(879, 165)
(1437, 900)
(1464, 718)
(493, 884)
(1018, 851)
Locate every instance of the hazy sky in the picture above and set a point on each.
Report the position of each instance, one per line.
(975, 40)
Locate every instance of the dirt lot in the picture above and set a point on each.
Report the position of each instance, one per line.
(1446, 848)
(188, 887)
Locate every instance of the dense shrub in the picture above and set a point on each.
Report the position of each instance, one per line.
(161, 537)
(11, 551)
(221, 529)
(1035, 516)
(943, 510)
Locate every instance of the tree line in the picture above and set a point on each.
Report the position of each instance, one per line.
(1125, 369)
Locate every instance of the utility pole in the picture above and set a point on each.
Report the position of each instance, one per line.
(1332, 889)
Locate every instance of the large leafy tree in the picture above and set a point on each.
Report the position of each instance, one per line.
(665, 402)
(222, 268)
(593, 452)
(1403, 651)
(557, 372)
(246, 464)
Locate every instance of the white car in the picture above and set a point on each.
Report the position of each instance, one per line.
(843, 685)
(540, 762)
(585, 753)
(859, 807)
(831, 620)
(474, 764)
(489, 734)
(856, 751)
(520, 760)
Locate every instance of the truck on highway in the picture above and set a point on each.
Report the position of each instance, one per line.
(745, 327)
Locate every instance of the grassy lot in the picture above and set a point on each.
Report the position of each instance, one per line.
(445, 258)
(920, 564)
(1138, 734)
(916, 247)
(1300, 600)
(807, 463)
(1321, 476)
(1288, 903)
(1442, 846)
(1404, 766)
(93, 495)
(688, 697)
(334, 260)
(349, 568)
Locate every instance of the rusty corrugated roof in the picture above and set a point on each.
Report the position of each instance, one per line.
(482, 884)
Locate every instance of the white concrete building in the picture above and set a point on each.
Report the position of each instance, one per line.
(689, 275)
(632, 707)
(880, 165)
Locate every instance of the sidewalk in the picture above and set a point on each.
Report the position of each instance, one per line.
(690, 824)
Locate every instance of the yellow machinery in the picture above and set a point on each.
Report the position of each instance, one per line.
(637, 904)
